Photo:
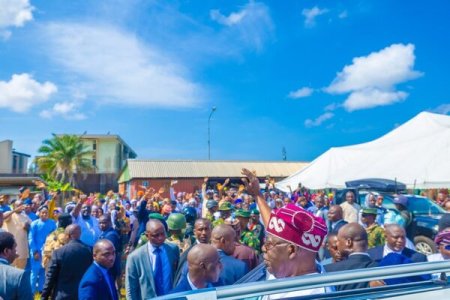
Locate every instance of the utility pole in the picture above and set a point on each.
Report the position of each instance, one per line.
(209, 132)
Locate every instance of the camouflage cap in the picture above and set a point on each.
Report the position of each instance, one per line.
(211, 203)
(225, 206)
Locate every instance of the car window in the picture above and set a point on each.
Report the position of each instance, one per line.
(419, 205)
(388, 202)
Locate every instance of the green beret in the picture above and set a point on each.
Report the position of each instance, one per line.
(369, 211)
(254, 212)
(225, 206)
(156, 216)
(242, 213)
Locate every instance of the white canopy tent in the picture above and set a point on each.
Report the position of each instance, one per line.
(416, 153)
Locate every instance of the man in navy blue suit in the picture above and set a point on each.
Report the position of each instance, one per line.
(97, 282)
(395, 242)
(204, 268)
(109, 233)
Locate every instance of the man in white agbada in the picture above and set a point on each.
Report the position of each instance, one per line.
(293, 238)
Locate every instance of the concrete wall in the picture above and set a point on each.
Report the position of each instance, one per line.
(108, 156)
(6, 156)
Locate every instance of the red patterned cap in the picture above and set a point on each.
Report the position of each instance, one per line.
(443, 238)
(294, 224)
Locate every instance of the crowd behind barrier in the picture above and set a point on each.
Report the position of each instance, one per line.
(113, 247)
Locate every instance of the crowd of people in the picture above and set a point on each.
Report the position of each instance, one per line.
(96, 247)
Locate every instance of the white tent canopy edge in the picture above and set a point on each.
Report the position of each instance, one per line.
(416, 153)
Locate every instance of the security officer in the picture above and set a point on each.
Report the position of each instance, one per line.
(143, 238)
(256, 226)
(212, 206)
(247, 237)
(177, 224)
(225, 210)
(190, 213)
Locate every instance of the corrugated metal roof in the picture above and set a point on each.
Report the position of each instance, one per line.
(202, 168)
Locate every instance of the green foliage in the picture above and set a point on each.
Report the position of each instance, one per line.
(63, 157)
(54, 185)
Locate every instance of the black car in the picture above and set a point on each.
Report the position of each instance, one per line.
(425, 213)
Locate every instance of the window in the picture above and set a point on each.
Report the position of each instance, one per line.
(94, 146)
(94, 162)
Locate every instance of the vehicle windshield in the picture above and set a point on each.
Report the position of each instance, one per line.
(417, 205)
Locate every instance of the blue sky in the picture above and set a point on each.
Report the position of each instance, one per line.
(306, 75)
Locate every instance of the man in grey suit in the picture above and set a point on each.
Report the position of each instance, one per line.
(14, 284)
(151, 268)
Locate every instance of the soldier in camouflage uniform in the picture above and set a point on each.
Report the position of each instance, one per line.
(177, 224)
(256, 226)
(56, 239)
(375, 233)
(212, 206)
(247, 237)
(225, 209)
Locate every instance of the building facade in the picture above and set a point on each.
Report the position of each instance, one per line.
(11, 161)
(190, 174)
(109, 156)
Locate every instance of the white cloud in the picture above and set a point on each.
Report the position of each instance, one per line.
(22, 92)
(319, 120)
(332, 106)
(113, 66)
(67, 110)
(252, 25)
(15, 12)
(301, 93)
(371, 79)
(233, 19)
(369, 98)
(310, 15)
(442, 109)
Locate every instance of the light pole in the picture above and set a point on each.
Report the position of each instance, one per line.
(209, 132)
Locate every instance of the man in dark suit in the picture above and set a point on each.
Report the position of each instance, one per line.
(97, 282)
(108, 232)
(150, 268)
(335, 218)
(202, 233)
(352, 245)
(14, 284)
(204, 269)
(395, 242)
(223, 238)
(67, 267)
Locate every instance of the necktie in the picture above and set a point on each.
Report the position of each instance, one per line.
(158, 273)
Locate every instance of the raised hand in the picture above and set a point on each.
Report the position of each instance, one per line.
(252, 183)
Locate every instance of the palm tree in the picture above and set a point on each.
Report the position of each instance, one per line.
(63, 157)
